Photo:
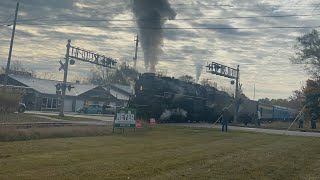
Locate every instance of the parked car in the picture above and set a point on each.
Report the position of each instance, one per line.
(91, 109)
(21, 108)
(108, 109)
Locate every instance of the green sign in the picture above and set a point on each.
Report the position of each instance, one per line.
(125, 118)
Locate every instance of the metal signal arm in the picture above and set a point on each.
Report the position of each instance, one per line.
(91, 57)
(222, 70)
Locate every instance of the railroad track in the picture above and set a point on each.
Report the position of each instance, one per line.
(48, 124)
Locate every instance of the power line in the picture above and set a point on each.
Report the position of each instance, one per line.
(277, 52)
(178, 28)
(178, 19)
(7, 20)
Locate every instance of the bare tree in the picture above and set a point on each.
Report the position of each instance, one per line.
(46, 75)
(228, 90)
(207, 82)
(187, 78)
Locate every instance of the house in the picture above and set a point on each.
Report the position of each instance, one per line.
(41, 94)
(121, 92)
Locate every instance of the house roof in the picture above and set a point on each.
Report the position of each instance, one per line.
(125, 88)
(45, 86)
(119, 95)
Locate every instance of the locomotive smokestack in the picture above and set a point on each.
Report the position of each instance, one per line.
(151, 16)
(199, 68)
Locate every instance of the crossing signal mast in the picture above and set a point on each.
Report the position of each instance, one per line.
(231, 73)
(76, 53)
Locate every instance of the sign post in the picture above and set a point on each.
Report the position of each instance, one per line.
(124, 118)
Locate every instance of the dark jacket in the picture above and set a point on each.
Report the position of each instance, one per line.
(225, 116)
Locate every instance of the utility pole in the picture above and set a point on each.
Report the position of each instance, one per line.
(11, 45)
(136, 52)
(65, 77)
(236, 103)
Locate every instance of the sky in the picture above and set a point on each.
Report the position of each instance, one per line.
(44, 26)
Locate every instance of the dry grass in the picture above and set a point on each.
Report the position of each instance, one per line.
(20, 118)
(70, 118)
(164, 153)
(13, 134)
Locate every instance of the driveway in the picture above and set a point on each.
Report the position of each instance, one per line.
(258, 130)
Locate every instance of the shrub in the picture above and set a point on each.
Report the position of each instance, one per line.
(9, 100)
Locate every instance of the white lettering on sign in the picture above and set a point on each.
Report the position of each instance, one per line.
(122, 116)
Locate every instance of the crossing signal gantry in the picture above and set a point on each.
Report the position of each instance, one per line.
(231, 73)
(76, 53)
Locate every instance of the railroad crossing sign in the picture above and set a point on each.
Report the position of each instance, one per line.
(222, 70)
(76, 53)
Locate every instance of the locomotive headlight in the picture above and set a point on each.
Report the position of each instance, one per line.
(141, 88)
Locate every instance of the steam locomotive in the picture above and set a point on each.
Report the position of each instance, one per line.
(171, 100)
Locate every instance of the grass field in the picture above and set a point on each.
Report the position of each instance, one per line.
(20, 118)
(70, 118)
(285, 125)
(164, 153)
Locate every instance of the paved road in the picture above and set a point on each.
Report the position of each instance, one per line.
(107, 118)
(258, 130)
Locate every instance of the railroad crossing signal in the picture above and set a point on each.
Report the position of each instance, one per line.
(62, 65)
(61, 86)
(222, 70)
(76, 53)
(231, 73)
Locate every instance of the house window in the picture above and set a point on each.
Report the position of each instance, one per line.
(50, 103)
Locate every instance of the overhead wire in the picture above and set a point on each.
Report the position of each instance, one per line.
(277, 52)
(177, 28)
(177, 19)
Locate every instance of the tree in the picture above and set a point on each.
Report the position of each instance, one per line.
(207, 82)
(308, 52)
(227, 90)
(124, 75)
(2, 70)
(17, 66)
(297, 99)
(312, 94)
(46, 75)
(187, 78)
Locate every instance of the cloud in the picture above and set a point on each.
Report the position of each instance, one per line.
(262, 54)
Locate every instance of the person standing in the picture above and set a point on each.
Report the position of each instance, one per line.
(225, 120)
(301, 119)
(313, 121)
(258, 118)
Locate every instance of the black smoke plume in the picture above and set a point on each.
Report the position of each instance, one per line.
(151, 16)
